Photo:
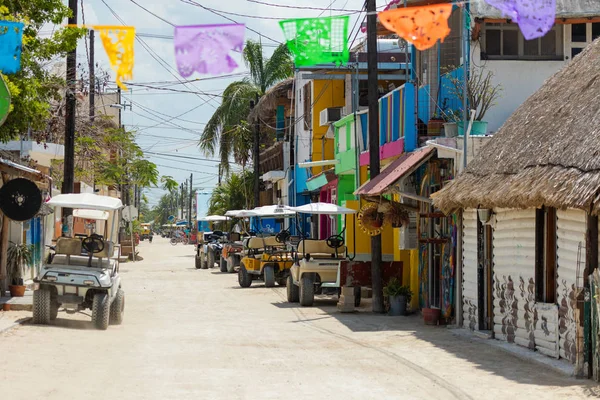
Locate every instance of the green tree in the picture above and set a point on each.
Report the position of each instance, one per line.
(34, 87)
(227, 132)
(169, 184)
(236, 193)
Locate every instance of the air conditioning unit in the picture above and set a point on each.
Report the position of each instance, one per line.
(330, 115)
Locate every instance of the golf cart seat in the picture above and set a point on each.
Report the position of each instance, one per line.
(108, 251)
(82, 261)
(68, 246)
(259, 243)
(319, 249)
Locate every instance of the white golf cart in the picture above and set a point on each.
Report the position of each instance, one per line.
(208, 250)
(318, 262)
(84, 273)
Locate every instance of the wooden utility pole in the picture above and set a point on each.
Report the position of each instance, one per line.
(190, 202)
(92, 78)
(255, 156)
(374, 162)
(68, 185)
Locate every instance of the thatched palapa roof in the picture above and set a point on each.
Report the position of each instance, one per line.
(268, 102)
(546, 153)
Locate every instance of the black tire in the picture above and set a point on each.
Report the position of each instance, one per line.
(244, 278)
(307, 292)
(100, 311)
(198, 262)
(223, 264)
(293, 293)
(203, 263)
(231, 264)
(210, 258)
(117, 308)
(42, 306)
(357, 296)
(269, 276)
(53, 310)
(173, 241)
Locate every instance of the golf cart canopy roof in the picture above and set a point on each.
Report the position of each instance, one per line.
(271, 211)
(90, 214)
(86, 201)
(234, 213)
(213, 218)
(323, 208)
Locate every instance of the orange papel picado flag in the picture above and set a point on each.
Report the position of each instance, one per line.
(118, 43)
(421, 26)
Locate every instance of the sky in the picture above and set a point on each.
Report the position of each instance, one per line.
(152, 110)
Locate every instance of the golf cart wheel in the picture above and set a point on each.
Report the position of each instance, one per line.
(53, 309)
(223, 264)
(210, 258)
(203, 263)
(244, 278)
(269, 276)
(198, 262)
(357, 296)
(293, 293)
(307, 292)
(100, 311)
(117, 308)
(41, 306)
(173, 241)
(231, 264)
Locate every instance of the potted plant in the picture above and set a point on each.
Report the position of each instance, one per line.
(399, 296)
(18, 255)
(481, 94)
(434, 125)
(451, 118)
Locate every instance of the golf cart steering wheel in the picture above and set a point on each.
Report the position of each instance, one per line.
(93, 243)
(283, 236)
(335, 241)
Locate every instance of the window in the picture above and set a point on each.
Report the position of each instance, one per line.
(307, 106)
(580, 35)
(506, 42)
(545, 255)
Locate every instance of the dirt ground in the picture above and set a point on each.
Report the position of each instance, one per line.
(194, 334)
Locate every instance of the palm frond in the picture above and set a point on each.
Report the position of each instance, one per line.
(253, 58)
(279, 67)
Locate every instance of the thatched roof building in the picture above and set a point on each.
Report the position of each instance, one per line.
(546, 153)
(267, 105)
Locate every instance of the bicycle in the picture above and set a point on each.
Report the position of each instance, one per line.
(183, 239)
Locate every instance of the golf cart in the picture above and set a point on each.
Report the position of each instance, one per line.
(266, 258)
(208, 250)
(233, 246)
(84, 273)
(318, 262)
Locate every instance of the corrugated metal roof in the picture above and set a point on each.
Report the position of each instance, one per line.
(406, 164)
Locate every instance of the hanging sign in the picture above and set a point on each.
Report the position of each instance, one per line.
(11, 45)
(206, 48)
(315, 41)
(535, 17)
(421, 26)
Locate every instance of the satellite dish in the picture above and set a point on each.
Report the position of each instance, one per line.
(4, 101)
(20, 199)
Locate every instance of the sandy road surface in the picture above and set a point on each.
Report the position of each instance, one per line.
(194, 334)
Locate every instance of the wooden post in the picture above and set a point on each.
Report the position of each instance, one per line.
(4, 247)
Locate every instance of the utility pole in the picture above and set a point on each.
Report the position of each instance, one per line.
(181, 201)
(92, 78)
(374, 162)
(190, 202)
(68, 185)
(255, 156)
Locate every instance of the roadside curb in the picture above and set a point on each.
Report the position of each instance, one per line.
(559, 366)
(15, 324)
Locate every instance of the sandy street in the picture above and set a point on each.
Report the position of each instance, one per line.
(194, 334)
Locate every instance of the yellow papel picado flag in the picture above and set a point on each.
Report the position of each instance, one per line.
(118, 43)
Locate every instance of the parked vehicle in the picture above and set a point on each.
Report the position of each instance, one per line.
(179, 238)
(84, 274)
(146, 231)
(210, 244)
(317, 262)
(266, 258)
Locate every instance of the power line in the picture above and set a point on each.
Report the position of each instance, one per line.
(304, 7)
(150, 12)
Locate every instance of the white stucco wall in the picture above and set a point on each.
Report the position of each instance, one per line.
(519, 80)
(303, 136)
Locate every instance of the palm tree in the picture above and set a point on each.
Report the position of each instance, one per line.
(227, 132)
(234, 194)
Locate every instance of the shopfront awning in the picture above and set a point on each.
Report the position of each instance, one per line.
(405, 165)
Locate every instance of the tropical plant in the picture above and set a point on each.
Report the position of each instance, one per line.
(169, 184)
(235, 193)
(482, 93)
(228, 132)
(18, 255)
(394, 288)
(34, 86)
